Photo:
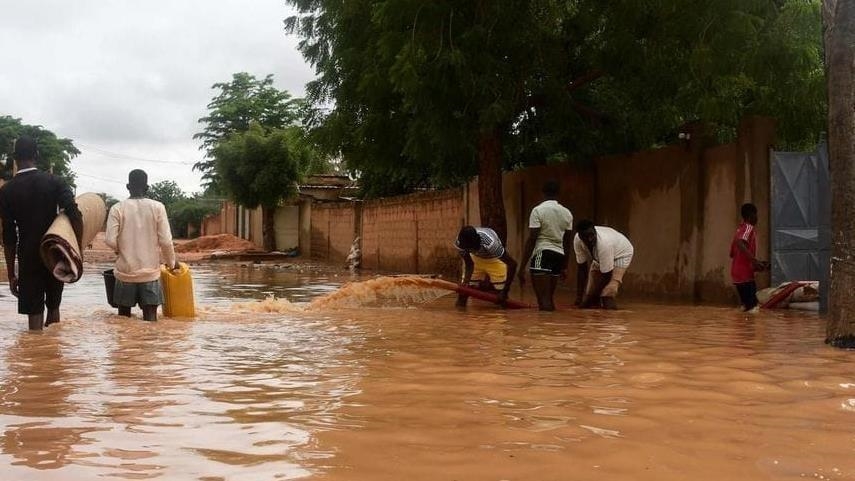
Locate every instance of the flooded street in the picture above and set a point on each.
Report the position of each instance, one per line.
(418, 393)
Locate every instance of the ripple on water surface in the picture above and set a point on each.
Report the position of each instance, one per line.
(276, 381)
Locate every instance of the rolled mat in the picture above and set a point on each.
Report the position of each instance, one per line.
(781, 296)
(59, 250)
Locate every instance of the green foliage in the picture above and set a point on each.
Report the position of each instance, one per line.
(240, 102)
(190, 211)
(414, 84)
(166, 192)
(182, 210)
(55, 153)
(260, 167)
(677, 61)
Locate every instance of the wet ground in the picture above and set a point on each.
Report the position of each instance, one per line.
(283, 390)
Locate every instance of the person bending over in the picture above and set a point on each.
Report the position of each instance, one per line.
(486, 263)
(603, 256)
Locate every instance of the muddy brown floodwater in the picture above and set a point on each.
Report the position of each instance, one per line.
(358, 388)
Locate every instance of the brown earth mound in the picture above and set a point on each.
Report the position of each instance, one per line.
(221, 242)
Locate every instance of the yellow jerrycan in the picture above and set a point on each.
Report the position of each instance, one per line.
(178, 300)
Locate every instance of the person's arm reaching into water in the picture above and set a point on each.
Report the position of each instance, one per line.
(468, 267)
(512, 269)
(582, 260)
(581, 282)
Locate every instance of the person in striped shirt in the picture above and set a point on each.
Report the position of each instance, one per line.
(486, 263)
(743, 259)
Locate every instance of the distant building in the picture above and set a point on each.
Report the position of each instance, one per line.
(292, 218)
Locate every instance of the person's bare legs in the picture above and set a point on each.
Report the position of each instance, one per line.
(609, 302)
(52, 317)
(149, 313)
(461, 300)
(36, 321)
(53, 298)
(610, 291)
(125, 311)
(544, 288)
(594, 298)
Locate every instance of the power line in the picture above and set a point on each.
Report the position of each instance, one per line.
(99, 178)
(117, 155)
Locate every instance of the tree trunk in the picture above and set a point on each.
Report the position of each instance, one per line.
(490, 198)
(839, 20)
(268, 231)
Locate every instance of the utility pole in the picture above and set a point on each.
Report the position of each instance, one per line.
(839, 36)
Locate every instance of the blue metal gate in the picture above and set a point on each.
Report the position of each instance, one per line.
(801, 217)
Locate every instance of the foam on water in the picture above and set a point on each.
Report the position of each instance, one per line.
(404, 291)
(384, 292)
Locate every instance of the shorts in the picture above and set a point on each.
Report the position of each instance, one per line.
(37, 289)
(547, 262)
(620, 262)
(747, 294)
(493, 269)
(129, 294)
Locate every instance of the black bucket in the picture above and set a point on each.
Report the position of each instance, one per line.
(110, 286)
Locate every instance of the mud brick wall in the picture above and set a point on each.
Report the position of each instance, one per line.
(679, 206)
(333, 230)
(413, 233)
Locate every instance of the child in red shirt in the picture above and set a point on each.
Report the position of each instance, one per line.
(744, 263)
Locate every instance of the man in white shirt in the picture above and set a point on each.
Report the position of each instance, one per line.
(603, 255)
(138, 230)
(550, 235)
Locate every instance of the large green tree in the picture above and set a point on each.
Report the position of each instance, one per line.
(669, 62)
(241, 101)
(167, 192)
(55, 153)
(427, 93)
(261, 167)
(432, 93)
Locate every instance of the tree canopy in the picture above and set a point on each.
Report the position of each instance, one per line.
(242, 100)
(262, 168)
(167, 192)
(416, 93)
(257, 149)
(55, 153)
(181, 208)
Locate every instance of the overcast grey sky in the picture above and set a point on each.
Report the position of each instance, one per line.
(127, 80)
